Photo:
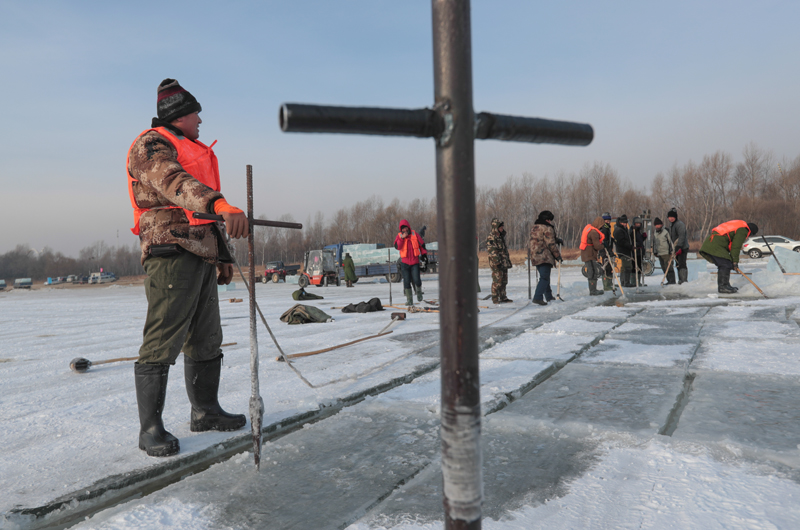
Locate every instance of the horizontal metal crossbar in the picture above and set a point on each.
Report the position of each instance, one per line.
(255, 222)
(427, 123)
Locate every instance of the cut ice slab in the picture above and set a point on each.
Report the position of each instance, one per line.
(665, 327)
(629, 398)
(762, 412)
(525, 462)
(607, 313)
(766, 357)
(322, 476)
(576, 325)
(498, 379)
(757, 329)
(540, 346)
(631, 352)
(748, 312)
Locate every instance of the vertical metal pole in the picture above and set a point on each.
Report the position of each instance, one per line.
(256, 404)
(389, 261)
(455, 196)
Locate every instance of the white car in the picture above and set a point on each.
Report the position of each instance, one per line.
(755, 247)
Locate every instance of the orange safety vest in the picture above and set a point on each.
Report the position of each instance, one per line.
(414, 243)
(195, 158)
(725, 229)
(585, 236)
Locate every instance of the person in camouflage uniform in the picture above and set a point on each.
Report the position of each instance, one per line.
(499, 261)
(544, 252)
(171, 175)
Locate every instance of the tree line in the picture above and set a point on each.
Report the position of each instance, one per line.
(705, 193)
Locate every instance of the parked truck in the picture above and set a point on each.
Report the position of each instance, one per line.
(277, 271)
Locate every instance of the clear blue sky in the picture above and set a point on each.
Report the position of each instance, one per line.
(662, 83)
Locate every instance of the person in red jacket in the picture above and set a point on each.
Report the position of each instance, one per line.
(171, 175)
(411, 247)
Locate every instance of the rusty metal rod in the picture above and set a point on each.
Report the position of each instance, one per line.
(253, 222)
(256, 402)
(426, 123)
(455, 197)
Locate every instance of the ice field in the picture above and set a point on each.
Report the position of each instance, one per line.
(678, 409)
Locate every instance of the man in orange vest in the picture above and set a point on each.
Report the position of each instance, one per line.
(411, 247)
(591, 245)
(722, 248)
(170, 175)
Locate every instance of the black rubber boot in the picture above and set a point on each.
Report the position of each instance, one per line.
(202, 385)
(151, 392)
(724, 282)
(683, 275)
(418, 290)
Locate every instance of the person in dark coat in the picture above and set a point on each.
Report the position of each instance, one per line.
(624, 249)
(349, 270)
(607, 253)
(677, 231)
(723, 246)
(638, 237)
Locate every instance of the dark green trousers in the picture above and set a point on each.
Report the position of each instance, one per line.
(182, 310)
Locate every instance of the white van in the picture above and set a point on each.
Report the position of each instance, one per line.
(102, 277)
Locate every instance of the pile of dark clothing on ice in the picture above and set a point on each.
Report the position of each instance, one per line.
(364, 307)
(301, 294)
(305, 314)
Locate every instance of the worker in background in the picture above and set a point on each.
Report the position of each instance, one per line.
(722, 248)
(543, 245)
(624, 250)
(411, 247)
(664, 249)
(638, 237)
(591, 246)
(171, 175)
(677, 231)
(607, 254)
(349, 270)
(499, 261)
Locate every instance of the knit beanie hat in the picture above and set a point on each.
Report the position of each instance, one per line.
(673, 213)
(623, 218)
(657, 221)
(753, 228)
(174, 101)
(546, 215)
(606, 216)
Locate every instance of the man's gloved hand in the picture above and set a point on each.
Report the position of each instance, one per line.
(679, 252)
(559, 241)
(644, 235)
(225, 273)
(235, 220)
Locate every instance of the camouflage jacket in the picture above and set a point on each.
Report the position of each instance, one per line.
(542, 245)
(496, 246)
(153, 162)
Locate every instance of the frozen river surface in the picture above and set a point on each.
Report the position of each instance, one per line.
(668, 412)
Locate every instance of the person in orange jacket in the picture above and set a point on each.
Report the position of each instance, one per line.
(171, 174)
(411, 247)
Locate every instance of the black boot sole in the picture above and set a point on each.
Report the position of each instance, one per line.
(168, 449)
(223, 425)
